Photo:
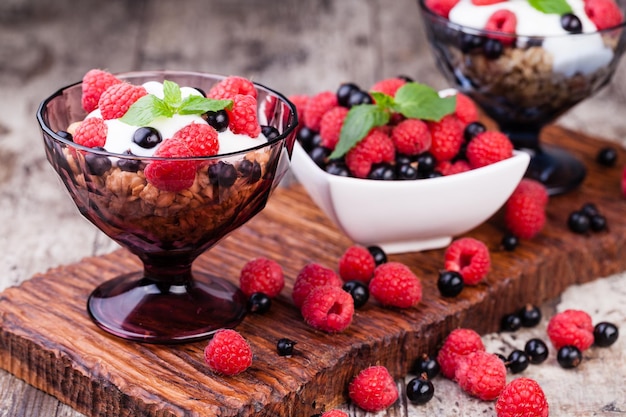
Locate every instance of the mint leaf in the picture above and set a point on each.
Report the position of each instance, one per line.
(145, 110)
(382, 100)
(357, 124)
(171, 94)
(199, 105)
(419, 101)
(559, 7)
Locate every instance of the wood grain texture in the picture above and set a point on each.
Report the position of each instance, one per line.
(48, 340)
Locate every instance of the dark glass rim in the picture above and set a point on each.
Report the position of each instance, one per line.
(293, 121)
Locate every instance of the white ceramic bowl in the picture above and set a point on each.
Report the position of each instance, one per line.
(411, 215)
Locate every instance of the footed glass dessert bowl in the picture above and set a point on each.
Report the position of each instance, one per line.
(167, 227)
(524, 81)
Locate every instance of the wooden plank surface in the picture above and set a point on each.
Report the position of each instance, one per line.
(54, 346)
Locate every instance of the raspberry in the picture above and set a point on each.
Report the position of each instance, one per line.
(300, 101)
(503, 21)
(525, 210)
(447, 137)
(603, 13)
(374, 148)
(388, 86)
(466, 110)
(411, 137)
(115, 100)
(451, 168)
(228, 353)
(481, 374)
(328, 308)
(262, 275)
(310, 276)
(92, 132)
(200, 139)
(522, 397)
(571, 327)
(229, 87)
(441, 7)
(469, 257)
(169, 175)
(357, 263)
(373, 389)
(330, 126)
(487, 148)
(395, 285)
(458, 343)
(243, 117)
(334, 413)
(95, 81)
(317, 106)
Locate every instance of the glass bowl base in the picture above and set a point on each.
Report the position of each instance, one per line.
(140, 309)
(556, 168)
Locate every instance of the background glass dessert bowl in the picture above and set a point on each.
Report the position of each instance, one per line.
(167, 230)
(524, 81)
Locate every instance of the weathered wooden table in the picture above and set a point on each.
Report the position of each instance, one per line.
(295, 47)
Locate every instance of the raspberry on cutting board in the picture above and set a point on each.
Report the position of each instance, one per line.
(395, 285)
(357, 263)
(522, 397)
(571, 327)
(469, 257)
(373, 389)
(458, 343)
(481, 374)
(312, 275)
(228, 353)
(328, 308)
(262, 275)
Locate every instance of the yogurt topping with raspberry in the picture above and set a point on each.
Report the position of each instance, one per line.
(580, 53)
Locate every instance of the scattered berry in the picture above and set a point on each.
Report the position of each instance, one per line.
(458, 343)
(259, 303)
(395, 285)
(285, 346)
(571, 327)
(517, 361)
(357, 263)
(411, 137)
(95, 81)
(603, 13)
(374, 148)
(487, 148)
(578, 222)
(607, 156)
(530, 315)
(328, 308)
(441, 7)
(522, 397)
(420, 390)
(597, 223)
(116, 100)
(243, 117)
(605, 334)
(359, 291)
(334, 413)
(470, 257)
(450, 283)
(380, 257)
(537, 351)
(525, 210)
(310, 276)
(92, 133)
(229, 87)
(510, 323)
(446, 136)
(509, 242)
(330, 126)
(481, 374)
(373, 389)
(425, 365)
(228, 353)
(317, 106)
(262, 275)
(569, 356)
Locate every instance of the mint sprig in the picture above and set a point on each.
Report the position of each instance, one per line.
(149, 107)
(412, 100)
(559, 7)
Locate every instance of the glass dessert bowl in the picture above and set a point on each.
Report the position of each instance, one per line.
(167, 230)
(524, 82)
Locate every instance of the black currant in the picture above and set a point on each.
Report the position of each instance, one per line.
(406, 172)
(319, 155)
(308, 138)
(426, 163)
(434, 174)
(128, 164)
(250, 169)
(259, 303)
(571, 23)
(510, 323)
(426, 365)
(420, 390)
(359, 97)
(147, 137)
(336, 167)
(607, 156)
(270, 132)
(201, 91)
(222, 174)
(285, 346)
(529, 315)
(380, 257)
(589, 209)
(517, 361)
(597, 223)
(383, 172)
(472, 130)
(537, 351)
(469, 42)
(344, 92)
(97, 164)
(218, 120)
(509, 242)
(450, 283)
(605, 334)
(569, 357)
(65, 135)
(492, 48)
(406, 78)
(358, 290)
(402, 158)
(578, 222)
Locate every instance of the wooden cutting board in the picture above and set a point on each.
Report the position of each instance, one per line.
(47, 338)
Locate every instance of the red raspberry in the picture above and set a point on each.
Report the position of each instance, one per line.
(522, 397)
(328, 308)
(451, 168)
(571, 327)
(411, 137)
(388, 86)
(373, 389)
(300, 101)
(92, 132)
(458, 343)
(262, 275)
(466, 110)
(310, 276)
(357, 263)
(95, 81)
(228, 353)
(488, 148)
(169, 175)
(447, 137)
(441, 7)
(469, 257)
(503, 21)
(229, 87)
(604, 13)
(525, 210)
(395, 285)
(243, 118)
(481, 374)
(115, 100)
(330, 126)
(374, 148)
(317, 106)
(200, 139)
(334, 413)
